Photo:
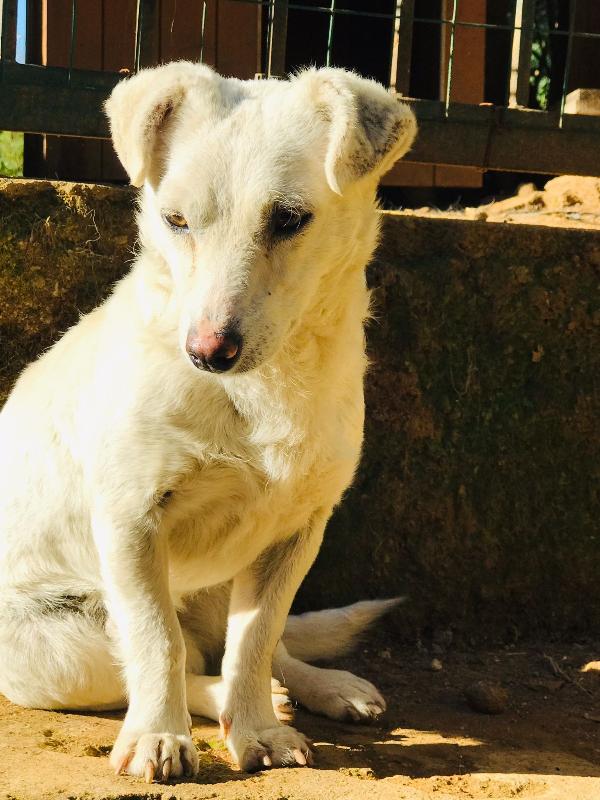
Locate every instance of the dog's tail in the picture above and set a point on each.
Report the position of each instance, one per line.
(326, 634)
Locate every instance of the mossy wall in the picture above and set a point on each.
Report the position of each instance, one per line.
(477, 496)
(62, 246)
(478, 493)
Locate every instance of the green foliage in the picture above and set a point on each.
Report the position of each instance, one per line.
(539, 78)
(546, 19)
(11, 154)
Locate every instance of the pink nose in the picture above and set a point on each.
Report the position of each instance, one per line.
(216, 351)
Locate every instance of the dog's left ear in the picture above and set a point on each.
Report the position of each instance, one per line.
(370, 129)
(140, 109)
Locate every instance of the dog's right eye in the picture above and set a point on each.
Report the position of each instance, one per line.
(176, 221)
(286, 222)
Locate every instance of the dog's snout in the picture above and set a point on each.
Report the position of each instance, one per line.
(215, 351)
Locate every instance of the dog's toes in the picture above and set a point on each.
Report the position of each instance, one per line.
(256, 758)
(343, 696)
(158, 757)
(277, 747)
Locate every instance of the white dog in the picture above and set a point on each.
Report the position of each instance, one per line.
(169, 466)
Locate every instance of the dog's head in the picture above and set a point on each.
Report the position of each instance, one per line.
(254, 192)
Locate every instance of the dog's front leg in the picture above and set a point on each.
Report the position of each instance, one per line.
(260, 601)
(154, 739)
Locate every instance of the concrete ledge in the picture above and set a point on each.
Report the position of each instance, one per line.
(477, 496)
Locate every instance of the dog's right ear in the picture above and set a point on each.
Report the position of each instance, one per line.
(139, 111)
(369, 129)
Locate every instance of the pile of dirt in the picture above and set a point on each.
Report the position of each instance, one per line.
(568, 201)
(542, 742)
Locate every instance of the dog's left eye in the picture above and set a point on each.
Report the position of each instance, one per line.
(288, 221)
(176, 221)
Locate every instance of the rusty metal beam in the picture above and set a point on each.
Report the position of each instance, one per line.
(525, 45)
(8, 35)
(147, 37)
(277, 38)
(38, 99)
(496, 138)
(402, 46)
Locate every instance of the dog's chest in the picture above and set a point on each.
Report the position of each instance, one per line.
(237, 503)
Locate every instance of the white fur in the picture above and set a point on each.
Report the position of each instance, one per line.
(133, 482)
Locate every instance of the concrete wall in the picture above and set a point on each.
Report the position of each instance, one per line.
(477, 496)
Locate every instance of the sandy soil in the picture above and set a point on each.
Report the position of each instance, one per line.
(430, 743)
(568, 201)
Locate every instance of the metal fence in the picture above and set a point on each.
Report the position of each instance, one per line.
(503, 135)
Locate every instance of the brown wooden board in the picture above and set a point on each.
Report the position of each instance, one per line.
(118, 55)
(181, 30)
(226, 34)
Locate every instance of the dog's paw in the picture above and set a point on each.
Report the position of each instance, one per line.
(282, 705)
(154, 756)
(343, 696)
(276, 747)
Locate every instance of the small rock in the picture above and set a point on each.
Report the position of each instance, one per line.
(487, 698)
(526, 189)
(537, 354)
(436, 665)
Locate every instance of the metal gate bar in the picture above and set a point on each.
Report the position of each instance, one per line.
(8, 36)
(402, 46)
(277, 38)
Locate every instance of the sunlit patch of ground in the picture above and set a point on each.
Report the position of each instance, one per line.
(430, 745)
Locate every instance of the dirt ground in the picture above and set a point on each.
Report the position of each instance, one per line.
(569, 201)
(429, 744)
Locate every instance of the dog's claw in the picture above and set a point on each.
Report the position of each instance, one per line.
(149, 771)
(166, 769)
(188, 770)
(225, 724)
(300, 757)
(122, 765)
(267, 761)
